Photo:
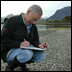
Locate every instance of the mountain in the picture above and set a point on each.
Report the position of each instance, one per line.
(2, 19)
(60, 14)
(8, 16)
(42, 19)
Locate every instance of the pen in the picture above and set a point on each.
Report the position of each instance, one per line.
(24, 39)
(45, 44)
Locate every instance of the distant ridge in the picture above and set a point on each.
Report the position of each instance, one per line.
(60, 14)
(8, 16)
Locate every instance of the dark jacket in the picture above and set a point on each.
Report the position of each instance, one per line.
(14, 32)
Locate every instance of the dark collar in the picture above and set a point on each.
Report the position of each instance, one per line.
(21, 20)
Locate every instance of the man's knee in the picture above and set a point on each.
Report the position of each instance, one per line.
(42, 55)
(26, 55)
(39, 56)
(29, 53)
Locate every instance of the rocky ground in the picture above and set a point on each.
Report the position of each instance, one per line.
(58, 56)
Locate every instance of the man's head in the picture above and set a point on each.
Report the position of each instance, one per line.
(5, 19)
(33, 14)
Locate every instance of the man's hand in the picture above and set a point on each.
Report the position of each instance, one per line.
(25, 44)
(43, 45)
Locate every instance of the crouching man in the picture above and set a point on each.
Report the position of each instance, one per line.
(14, 31)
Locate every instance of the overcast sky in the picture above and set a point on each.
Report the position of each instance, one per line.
(17, 7)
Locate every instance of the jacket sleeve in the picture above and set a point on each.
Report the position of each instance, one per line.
(6, 35)
(36, 41)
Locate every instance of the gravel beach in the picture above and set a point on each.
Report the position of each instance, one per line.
(58, 57)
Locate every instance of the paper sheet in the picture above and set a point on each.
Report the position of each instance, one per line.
(33, 48)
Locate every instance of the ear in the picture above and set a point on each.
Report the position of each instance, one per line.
(28, 11)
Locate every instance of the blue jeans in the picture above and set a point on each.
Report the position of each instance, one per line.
(24, 55)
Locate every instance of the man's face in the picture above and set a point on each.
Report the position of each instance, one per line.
(32, 18)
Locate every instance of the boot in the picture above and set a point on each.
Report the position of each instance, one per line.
(24, 67)
(13, 64)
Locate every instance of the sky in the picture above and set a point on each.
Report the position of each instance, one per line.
(17, 7)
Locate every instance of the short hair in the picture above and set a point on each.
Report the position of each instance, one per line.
(35, 8)
(5, 19)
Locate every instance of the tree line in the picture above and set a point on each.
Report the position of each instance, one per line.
(66, 19)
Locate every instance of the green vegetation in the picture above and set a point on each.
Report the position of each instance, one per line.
(66, 19)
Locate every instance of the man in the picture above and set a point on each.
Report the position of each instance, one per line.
(5, 19)
(14, 31)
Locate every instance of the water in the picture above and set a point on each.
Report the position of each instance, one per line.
(41, 27)
(45, 27)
